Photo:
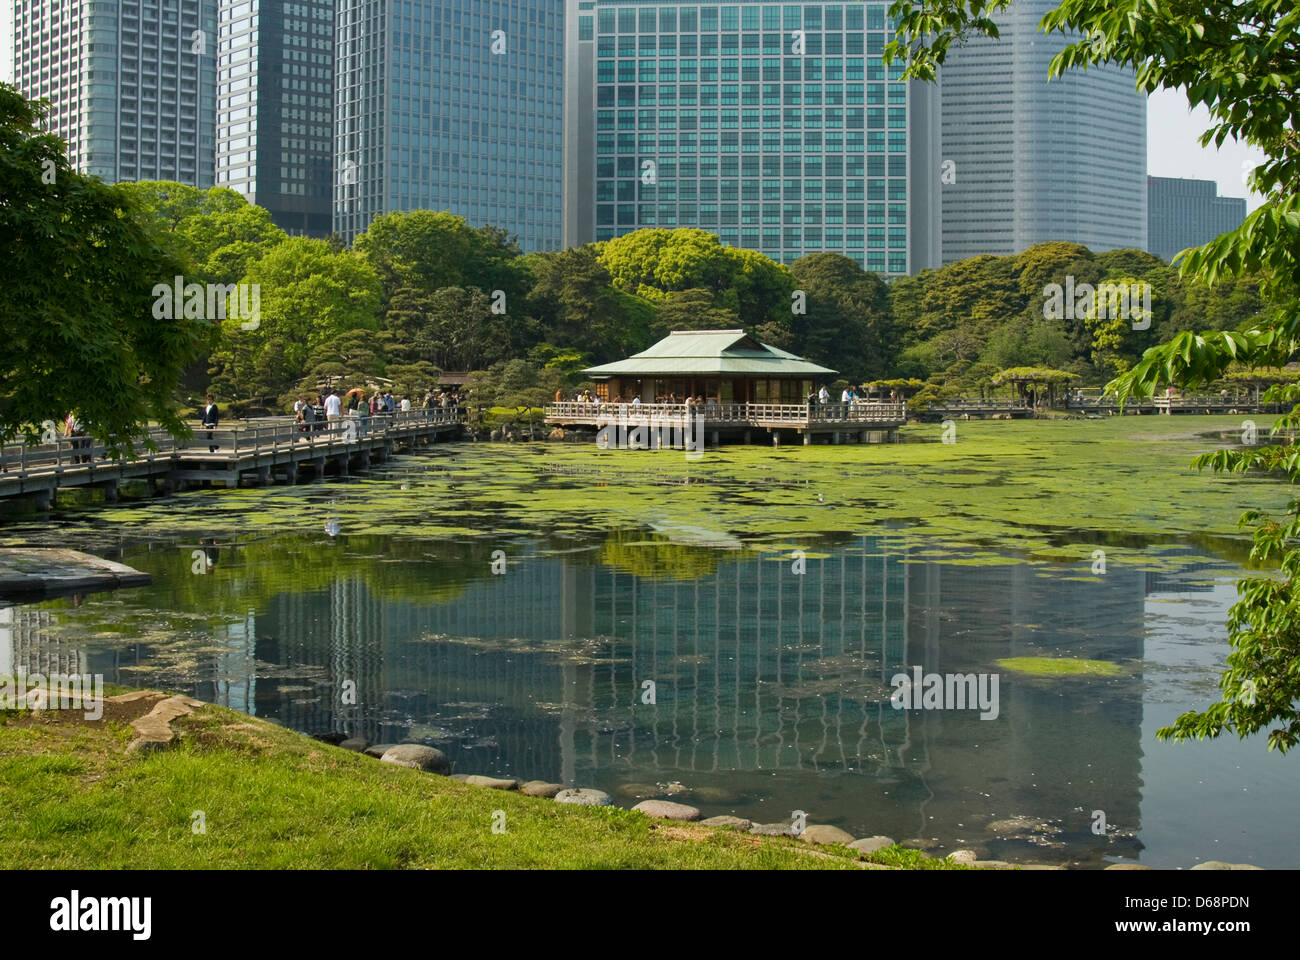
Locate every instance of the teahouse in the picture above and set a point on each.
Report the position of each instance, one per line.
(723, 366)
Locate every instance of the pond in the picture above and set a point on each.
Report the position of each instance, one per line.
(730, 632)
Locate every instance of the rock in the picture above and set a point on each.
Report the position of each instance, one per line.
(713, 795)
(377, 750)
(332, 737)
(728, 823)
(540, 788)
(356, 744)
(783, 829)
(991, 865)
(1040, 866)
(459, 777)
(871, 844)
(638, 791)
(584, 796)
(667, 810)
(418, 756)
(825, 833)
(1127, 866)
(556, 434)
(153, 731)
(1220, 865)
(493, 783)
(962, 856)
(494, 435)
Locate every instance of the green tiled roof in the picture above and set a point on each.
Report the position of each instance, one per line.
(710, 352)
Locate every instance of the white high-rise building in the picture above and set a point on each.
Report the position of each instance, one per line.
(131, 83)
(1035, 161)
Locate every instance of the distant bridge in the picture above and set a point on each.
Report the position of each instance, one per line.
(259, 450)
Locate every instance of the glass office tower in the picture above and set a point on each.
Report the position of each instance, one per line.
(455, 105)
(1035, 161)
(275, 110)
(775, 126)
(130, 83)
(1187, 213)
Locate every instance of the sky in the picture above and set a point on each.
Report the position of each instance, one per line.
(1172, 133)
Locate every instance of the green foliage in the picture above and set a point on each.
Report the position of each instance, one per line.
(79, 330)
(310, 295)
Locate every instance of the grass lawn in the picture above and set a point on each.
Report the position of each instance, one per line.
(272, 798)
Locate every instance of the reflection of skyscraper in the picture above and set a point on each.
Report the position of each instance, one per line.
(762, 673)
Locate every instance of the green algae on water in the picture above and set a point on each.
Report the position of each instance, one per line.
(1060, 667)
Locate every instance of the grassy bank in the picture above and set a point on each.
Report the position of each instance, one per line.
(271, 798)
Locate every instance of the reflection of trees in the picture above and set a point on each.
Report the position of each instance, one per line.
(652, 556)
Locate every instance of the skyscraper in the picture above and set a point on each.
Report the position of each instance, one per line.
(455, 105)
(130, 82)
(275, 108)
(775, 126)
(1035, 161)
(1187, 213)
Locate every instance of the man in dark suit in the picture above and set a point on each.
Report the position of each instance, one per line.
(211, 416)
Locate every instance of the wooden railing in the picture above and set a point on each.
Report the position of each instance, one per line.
(764, 414)
(243, 438)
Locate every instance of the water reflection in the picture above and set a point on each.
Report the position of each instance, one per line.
(771, 687)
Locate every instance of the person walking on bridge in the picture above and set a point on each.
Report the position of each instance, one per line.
(211, 416)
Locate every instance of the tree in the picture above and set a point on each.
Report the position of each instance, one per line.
(1239, 61)
(309, 296)
(77, 315)
(575, 303)
(847, 323)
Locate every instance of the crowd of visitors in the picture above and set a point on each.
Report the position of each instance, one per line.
(327, 409)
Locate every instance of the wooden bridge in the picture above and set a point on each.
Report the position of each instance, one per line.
(837, 421)
(259, 450)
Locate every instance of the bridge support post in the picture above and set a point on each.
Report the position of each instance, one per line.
(862, 436)
(319, 465)
(343, 464)
(263, 476)
(716, 440)
(110, 491)
(807, 439)
(835, 438)
(776, 438)
(43, 499)
(747, 440)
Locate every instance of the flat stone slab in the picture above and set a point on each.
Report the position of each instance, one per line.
(377, 750)
(871, 844)
(355, 744)
(48, 571)
(153, 731)
(728, 822)
(420, 757)
(1220, 865)
(1128, 866)
(667, 810)
(493, 783)
(782, 829)
(825, 833)
(540, 788)
(584, 796)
